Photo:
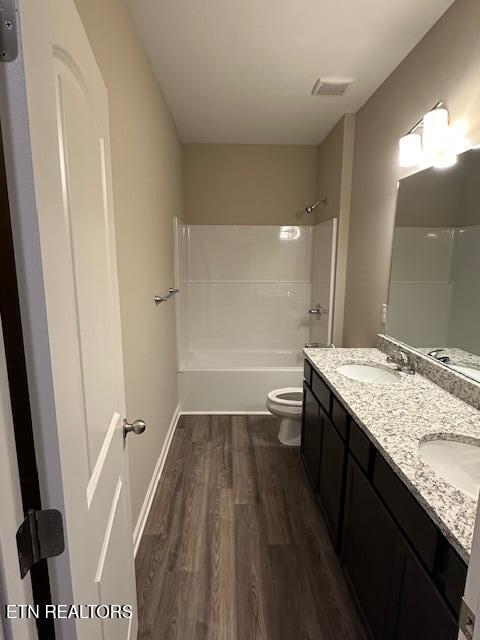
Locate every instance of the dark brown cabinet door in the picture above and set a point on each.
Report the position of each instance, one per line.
(421, 613)
(330, 489)
(371, 545)
(311, 435)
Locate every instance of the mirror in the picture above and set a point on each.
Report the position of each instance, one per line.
(434, 297)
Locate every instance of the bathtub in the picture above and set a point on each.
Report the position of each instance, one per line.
(235, 381)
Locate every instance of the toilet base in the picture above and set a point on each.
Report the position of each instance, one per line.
(290, 432)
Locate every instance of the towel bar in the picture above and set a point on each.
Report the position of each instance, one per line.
(159, 299)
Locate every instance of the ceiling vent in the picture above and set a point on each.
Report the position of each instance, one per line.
(330, 87)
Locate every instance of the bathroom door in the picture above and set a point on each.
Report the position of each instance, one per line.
(323, 281)
(55, 118)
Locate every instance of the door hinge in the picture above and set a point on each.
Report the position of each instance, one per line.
(466, 620)
(39, 536)
(8, 31)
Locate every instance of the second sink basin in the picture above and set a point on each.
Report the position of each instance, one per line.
(456, 462)
(369, 373)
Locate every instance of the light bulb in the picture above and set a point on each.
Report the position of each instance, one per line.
(410, 150)
(436, 137)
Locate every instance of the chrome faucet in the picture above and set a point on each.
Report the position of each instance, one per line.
(403, 361)
(318, 311)
(435, 354)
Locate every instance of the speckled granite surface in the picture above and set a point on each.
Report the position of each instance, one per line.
(457, 356)
(396, 417)
(463, 387)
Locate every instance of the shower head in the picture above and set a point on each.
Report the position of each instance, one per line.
(309, 210)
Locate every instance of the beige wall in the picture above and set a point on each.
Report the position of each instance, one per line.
(329, 172)
(335, 162)
(146, 157)
(445, 65)
(249, 184)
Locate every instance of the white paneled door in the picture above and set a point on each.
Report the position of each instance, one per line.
(65, 242)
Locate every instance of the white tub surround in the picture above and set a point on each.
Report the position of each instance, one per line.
(396, 418)
(324, 255)
(243, 310)
(434, 272)
(243, 316)
(231, 382)
(242, 281)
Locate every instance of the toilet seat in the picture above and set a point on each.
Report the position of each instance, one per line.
(288, 397)
(287, 404)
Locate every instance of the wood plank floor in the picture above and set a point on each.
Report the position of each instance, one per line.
(234, 547)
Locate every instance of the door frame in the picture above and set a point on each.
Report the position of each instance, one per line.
(26, 461)
(39, 428)
(13, 589)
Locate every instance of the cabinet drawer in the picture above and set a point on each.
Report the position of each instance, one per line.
(411, 517)
(339, 417)
(359, 446)
(307, 372)
(321, 391)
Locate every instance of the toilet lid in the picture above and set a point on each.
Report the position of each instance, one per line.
(291, 396)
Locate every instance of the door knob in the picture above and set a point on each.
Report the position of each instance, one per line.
(138, 427)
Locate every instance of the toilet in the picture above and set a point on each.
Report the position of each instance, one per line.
(287, 405)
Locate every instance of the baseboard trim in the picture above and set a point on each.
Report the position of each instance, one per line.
(225, 413)
(152, 487)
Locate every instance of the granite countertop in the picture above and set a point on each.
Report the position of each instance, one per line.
(457, 356)
(396, 418)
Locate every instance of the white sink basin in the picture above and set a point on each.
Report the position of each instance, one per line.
(471, 372)
(456, 462)
(369, 373)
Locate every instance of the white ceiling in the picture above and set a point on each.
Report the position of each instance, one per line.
(242, 71)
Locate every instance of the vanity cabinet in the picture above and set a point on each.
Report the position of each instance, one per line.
(420, 610)
(405, 577)
(311, 435)
(323, 451)
(395, 594)
(370, 552)
(331, 476)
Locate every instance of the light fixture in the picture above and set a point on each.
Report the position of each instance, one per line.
(438, 144)
(410, 150)
(446, 157)
(436, 139)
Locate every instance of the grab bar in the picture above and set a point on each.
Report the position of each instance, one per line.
(159, 299)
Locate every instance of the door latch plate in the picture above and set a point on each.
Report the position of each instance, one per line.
(8, 31)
